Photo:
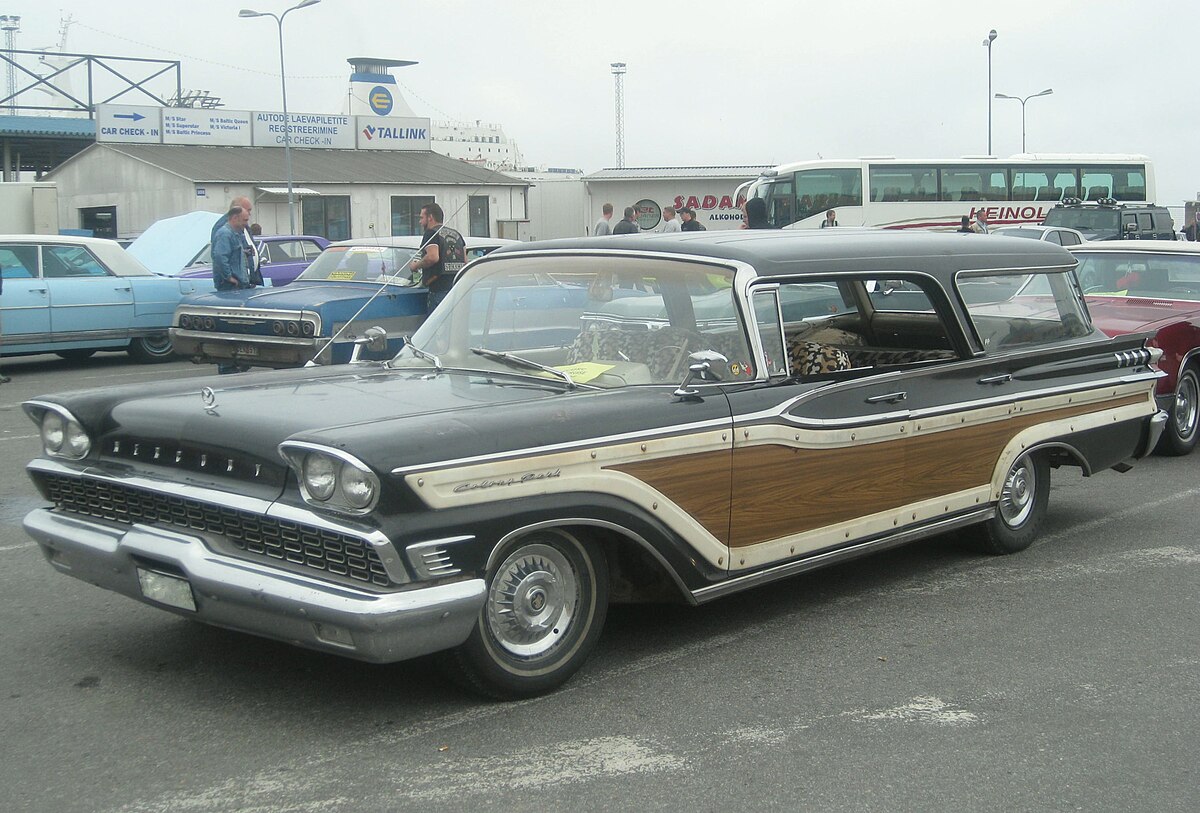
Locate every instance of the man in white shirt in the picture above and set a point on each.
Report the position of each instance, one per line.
(670, 224)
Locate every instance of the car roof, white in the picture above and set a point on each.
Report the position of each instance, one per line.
(1147, 246)
(69, 239)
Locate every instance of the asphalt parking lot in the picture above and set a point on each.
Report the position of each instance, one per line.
(1066, 677)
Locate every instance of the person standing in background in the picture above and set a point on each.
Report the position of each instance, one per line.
(627, 224)
(603, 226)
(443, 256)
(229, 263)
(670, 224)
(690, 223)
(830, 219)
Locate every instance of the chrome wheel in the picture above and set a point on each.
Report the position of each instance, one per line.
(1017, 494)
(532, 601)
(1184, 412)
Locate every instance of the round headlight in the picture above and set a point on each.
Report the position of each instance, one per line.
(210, 323)
(320, 476)
(293, 328)
(307, 328)
(77, 444)
(277, 328)
(185, 322)
(54, 428)
(358, 487)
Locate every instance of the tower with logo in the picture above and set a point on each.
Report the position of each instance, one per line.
(373, 90)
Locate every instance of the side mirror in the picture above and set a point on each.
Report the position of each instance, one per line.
(703, 365)
(374, 340)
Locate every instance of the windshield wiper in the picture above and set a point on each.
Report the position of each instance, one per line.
(508, 358)
(421, 354)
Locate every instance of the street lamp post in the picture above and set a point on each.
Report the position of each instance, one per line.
(987, 43)
(1022, 100)
(287, 124)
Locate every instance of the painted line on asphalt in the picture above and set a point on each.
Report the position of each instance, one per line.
(22, 546)
(20, 437)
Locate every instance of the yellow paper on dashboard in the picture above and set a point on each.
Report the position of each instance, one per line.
(585, 371)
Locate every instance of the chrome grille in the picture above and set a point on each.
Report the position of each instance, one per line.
(342, 556)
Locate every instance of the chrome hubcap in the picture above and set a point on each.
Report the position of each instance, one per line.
(532, 600)
(1016, 498)
(1185, 407)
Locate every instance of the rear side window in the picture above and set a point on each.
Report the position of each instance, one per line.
(1012, 311)
(18, 262)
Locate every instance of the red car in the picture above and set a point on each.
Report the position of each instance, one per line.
(1137, 286)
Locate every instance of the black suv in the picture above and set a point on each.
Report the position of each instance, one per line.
(1108, 220)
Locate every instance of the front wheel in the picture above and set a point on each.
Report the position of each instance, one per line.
(1022, 507)
(547, 599)
(1180, 435)
(152, 349)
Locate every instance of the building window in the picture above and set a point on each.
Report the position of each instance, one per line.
(406, 214)
(100, 220)
(480, 218)
(327, 217)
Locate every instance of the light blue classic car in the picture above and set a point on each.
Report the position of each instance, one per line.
(76, 295)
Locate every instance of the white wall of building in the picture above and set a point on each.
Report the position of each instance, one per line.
(712, 198)
(558, 206)
(28, 208)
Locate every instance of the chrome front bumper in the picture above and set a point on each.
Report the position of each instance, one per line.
(248, 597)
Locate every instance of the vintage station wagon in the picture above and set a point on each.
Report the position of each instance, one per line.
(601, 420)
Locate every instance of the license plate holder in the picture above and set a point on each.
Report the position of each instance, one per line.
(166, 588)
(246, 350)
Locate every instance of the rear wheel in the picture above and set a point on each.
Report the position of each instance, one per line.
(152, 349)
(75, 355)
(547, 599)
(1179, 438)
(1021, 509)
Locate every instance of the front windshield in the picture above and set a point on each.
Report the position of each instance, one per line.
(386, 264)
(605, 321)
(1089, 221)
(1140, 274)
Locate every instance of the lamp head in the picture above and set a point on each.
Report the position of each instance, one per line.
(992, 35)
(307, 3)
(248, 13)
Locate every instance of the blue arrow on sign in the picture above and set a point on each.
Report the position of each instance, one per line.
(130, 116)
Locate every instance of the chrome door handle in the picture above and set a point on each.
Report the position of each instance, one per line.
(996, 379)
(890, 398)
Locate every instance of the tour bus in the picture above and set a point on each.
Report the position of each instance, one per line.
(899, 193)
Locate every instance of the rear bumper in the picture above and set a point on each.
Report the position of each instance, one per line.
(1154, 430)
(245, 596)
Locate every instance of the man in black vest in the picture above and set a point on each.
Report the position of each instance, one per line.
(442, 257)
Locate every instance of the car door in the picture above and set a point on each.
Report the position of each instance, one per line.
(86, 299)
(25, 299)
(818, 455)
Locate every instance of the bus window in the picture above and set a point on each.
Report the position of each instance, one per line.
(1121, 183)
(820, 189)
(974, 183)
(1044, 183)
(892, 183)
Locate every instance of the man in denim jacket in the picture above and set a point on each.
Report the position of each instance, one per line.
(228, 252)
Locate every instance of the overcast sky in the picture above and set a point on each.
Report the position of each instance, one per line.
(708, 82)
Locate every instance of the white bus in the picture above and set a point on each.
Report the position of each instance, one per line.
(900, 193)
